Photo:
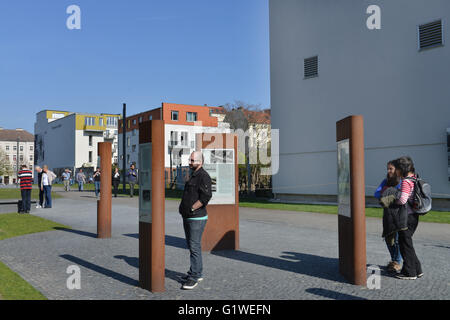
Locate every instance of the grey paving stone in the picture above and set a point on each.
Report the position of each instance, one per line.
(283, 255)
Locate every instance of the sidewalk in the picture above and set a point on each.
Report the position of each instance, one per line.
(283, 255)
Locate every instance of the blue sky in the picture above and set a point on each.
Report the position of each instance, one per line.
(141, 52)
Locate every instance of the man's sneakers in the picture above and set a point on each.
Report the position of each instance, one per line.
(38, 206)
(189, 283)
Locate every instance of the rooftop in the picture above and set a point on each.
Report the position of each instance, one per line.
(12, 135)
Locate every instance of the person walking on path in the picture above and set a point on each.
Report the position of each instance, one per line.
(97, 182)
(66, 180)
(81, 180)
(132, 179)
(116, 181)
(196, 195)
(41, 193)
(26, 181)
(392, 180)
(46, 185)
(412, 268)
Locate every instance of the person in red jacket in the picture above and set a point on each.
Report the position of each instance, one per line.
(26, 179)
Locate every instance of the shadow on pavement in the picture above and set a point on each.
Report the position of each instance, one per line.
(170, 240)
(82, 233)
(311, 265)
(104, 271)
(134, 262)
(332, 294)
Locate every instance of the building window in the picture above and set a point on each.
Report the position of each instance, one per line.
(174, 115)
(21, 148)
(31, 148)
(184, 139)
(128, 141)
(89, 121)
(90, 142)
(101, 121)
(173, 138)
(134, 132)
(191, 116)
(133, 148)
(7, 148)
(21, 158)
(128, 158)
(31, 158)
(134, 121)
(14, 148)
(112, 122)
(311, 67)
(90, 156)
(150, 117)
(140, 119)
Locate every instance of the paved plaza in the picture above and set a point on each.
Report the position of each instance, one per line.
(283, 256)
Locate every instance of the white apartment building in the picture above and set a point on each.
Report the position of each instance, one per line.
(17, 146)
(69, 140)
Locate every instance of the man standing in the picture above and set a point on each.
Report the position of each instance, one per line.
(66, 180)
(132, 179)
(41, 192)
(196, 195)
(81, 180)
(97, 180)
(26, 180)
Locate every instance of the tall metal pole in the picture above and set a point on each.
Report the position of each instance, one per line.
(17, 163)
(124, 146)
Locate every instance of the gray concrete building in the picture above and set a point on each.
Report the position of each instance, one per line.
(331, 59)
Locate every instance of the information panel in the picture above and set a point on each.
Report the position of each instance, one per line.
(220, 165)
(145, 183)
(343, 153)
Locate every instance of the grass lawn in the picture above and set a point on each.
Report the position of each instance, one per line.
(432, 216)
(14, 194)
(12, 286)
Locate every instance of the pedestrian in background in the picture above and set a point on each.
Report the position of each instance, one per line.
(26, 182)
(66, 180)
(81, 180)
(97, 182)
(48, 177)
(116, 181)
(196, 195)
(390, 237)
(41, 193)
(132, 179)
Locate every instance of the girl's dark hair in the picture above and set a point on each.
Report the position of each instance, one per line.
(394, 180)
(404, 165)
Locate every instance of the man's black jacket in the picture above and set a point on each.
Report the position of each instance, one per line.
(198, 187)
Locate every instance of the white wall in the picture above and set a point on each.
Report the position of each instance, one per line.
(403, 94)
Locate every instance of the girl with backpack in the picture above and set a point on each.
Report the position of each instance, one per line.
(412, 268)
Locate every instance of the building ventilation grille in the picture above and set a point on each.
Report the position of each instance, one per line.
(430, 35)
(311, 67)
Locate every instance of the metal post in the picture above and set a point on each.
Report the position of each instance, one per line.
(104, 204)
(124, 146)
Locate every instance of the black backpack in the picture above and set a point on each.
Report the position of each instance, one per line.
(422, 196)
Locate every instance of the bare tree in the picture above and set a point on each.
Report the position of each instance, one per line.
(5, 166)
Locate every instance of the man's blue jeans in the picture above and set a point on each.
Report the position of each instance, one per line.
(48, 196)
(193, 230)
(395, 251)
(80, 185)
(97, 188)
